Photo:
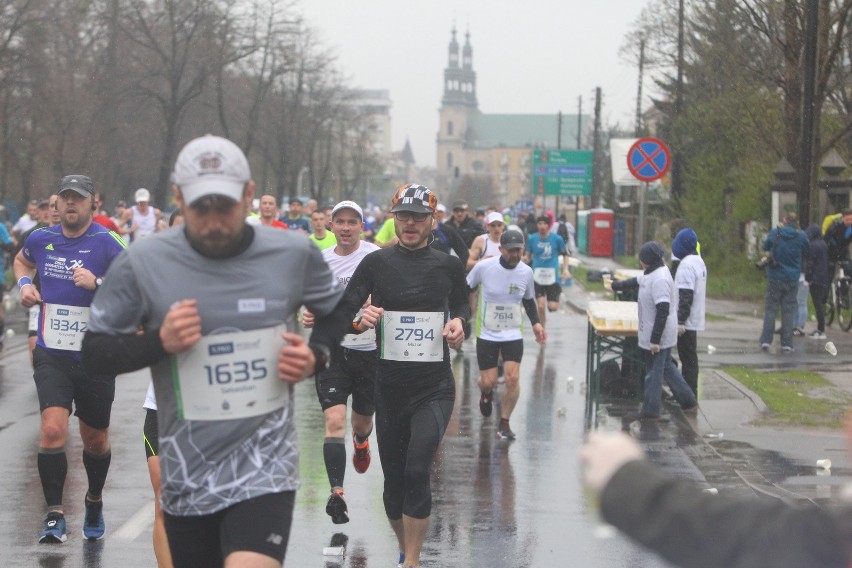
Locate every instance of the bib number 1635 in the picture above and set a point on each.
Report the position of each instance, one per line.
(236, 372)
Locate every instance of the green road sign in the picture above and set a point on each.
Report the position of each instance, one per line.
(562, 172)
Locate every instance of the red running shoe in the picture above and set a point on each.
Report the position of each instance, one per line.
(361, 457)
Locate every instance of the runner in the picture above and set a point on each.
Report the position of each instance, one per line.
(544, 248)
(321, 236)
(70, 260)
(487, 245)
(268, 207)
(504, 285)
(216, 299)
(142, 216)
(419, 300)
(353, 367)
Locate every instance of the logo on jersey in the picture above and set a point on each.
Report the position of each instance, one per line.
(49, 247)
(251, 305)
(515, 289)
(74, 264)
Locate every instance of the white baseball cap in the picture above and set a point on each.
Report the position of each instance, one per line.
(493, 217)
(348, 205)
(142, 194)
(211, 165)
(441, 207)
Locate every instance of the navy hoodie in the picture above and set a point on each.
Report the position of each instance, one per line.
(816, 265)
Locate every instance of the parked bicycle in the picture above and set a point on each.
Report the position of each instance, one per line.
(838, 301)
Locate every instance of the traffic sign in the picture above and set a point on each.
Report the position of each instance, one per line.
(562, 172)
(648, 159)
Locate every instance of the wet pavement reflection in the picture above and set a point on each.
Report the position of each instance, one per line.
(495, 503)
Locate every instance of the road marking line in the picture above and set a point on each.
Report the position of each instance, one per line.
(137, 524)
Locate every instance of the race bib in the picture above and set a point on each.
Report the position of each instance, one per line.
(359, 340)
(230, 375)
(499, 317)
(544, 276)
(412, 336)
(64, 326)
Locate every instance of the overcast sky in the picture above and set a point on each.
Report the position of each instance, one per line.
(532, 56)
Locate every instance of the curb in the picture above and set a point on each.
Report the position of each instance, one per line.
(750, 395)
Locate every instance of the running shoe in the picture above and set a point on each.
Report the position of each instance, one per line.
(336, 507)
(93, 526)
(54, 529)
(799, 332)
(786, 349)
(817, 335)
(764, 347)
(485, 404)
(361, 457)
(505, 433)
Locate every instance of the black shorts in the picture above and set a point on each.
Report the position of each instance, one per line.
(351, 373)
(487, 352)
(261, 525)
(62, 381)
(552, 291)
(151, 433)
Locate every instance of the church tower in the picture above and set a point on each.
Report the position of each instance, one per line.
(458, 105)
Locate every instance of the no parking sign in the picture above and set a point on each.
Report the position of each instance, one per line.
(648, 159)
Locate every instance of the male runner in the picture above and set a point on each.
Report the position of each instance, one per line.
(216, 299)
(353, 367)
(320, 234)
(143, 218)
(544, 248)
(487, 245)
(504, 284)
(418, 306)
(268, 208)
(70, 260)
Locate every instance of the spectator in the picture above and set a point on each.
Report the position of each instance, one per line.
(785, 246)
(838, 235)
(693, 529)
(467, 227)
(817, 276)
(691, 283)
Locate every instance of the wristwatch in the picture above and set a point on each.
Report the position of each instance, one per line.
(322, 355)
(99, 281)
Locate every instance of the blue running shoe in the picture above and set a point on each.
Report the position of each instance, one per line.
(93, 526)
(54, 529)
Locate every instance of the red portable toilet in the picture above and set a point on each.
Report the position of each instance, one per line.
(601, 229)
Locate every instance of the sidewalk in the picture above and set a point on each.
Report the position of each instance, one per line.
(728, 408)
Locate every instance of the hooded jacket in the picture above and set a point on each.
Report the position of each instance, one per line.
(816, 266)
(788, 246)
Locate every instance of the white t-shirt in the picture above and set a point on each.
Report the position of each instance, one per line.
(501, 291)
(343, 267)
(146, 224)
(655, 288)
(692, 275)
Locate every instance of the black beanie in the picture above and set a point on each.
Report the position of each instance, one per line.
(651, 254)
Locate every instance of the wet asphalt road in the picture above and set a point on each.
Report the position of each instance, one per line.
(496, 503)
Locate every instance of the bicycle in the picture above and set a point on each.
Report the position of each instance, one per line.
(838, 301)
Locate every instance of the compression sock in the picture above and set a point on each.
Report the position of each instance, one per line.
(96, 469)
(359, 439)
(334, 452)
(52, 469)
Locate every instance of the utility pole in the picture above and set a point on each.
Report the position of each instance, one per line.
(638, 130)
(579, 119)
(596, 174)
(677, 189)
(806, 173)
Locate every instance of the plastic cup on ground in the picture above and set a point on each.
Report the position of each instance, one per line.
(832, 350)
(824, 464)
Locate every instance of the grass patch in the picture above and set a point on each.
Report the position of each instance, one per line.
(738, 279)
(628, 261)
(795, 398)
(581, 276)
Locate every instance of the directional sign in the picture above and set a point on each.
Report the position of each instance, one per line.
(562, 172)
(648, 159)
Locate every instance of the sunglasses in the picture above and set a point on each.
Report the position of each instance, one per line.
(404, 216)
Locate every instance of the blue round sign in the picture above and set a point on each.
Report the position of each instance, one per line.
(648, 159)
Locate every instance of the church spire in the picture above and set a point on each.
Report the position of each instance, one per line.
(460, 81)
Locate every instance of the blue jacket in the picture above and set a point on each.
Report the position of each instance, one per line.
(788, 246)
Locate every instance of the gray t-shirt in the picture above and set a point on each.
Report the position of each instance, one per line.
(210, 465)
(655, 288)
